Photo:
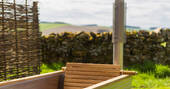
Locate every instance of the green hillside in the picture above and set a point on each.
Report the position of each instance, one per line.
(46, 26)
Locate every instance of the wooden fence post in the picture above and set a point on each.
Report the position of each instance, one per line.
(118, 32)
(3, 37)
(37, 29)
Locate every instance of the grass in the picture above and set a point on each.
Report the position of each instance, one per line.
(145, 79)
(46, 68)
(151, 76)
(46, 26)
(149, 81)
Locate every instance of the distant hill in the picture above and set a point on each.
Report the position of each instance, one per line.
(47, 25)
(57, 22)
(90, 25)
(57, 27)
(44, 22)
(132, 27)
(73, 28)
(60, 23)
(153, 28)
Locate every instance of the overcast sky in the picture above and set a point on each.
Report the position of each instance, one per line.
(144, 13)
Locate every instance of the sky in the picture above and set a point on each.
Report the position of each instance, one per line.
(143, 13)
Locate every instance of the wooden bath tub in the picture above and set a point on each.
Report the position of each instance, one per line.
(55, 80)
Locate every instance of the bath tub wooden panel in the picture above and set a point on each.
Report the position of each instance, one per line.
(120, 82)
(43, 81)
(76, 76)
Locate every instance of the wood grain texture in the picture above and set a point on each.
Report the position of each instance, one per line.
(81, 75)
(44, 81)
(120, 82)
(118, 32)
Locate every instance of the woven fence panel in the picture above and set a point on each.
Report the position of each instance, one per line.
(19, 40)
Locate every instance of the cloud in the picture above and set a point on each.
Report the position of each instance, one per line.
(148, 13)
(139, 12)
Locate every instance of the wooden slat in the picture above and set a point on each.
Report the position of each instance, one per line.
(93, 65)
(80, 75)
(88, 81)
(93, 73)
(77, 84)
(120, 82)
(70, 87)
(95, 69)
(86, 77)
(43, 81)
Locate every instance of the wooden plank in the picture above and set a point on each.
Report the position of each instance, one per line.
(93, 73)
(92, 65)
(77, 84)
(80, 75)
(94, 69)
(71, 87)
(86, 77)
(129, 72)
(83, 80)
(120, 82)
(44, 81)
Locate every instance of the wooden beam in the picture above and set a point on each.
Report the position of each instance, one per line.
(118, 32)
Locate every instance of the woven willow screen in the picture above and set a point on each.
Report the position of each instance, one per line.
(19, 40)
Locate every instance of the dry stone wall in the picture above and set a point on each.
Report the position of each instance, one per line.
(97, 47)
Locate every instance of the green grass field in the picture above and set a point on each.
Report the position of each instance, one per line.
(143, 80)
(46, 26)
(149, 81)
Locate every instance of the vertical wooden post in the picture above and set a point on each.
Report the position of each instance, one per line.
(36, 28)
(3, 37)
(118, 32)
(27, 37)
(16, 38)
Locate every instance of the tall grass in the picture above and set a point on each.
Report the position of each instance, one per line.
(149, 81)
(151, 76)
